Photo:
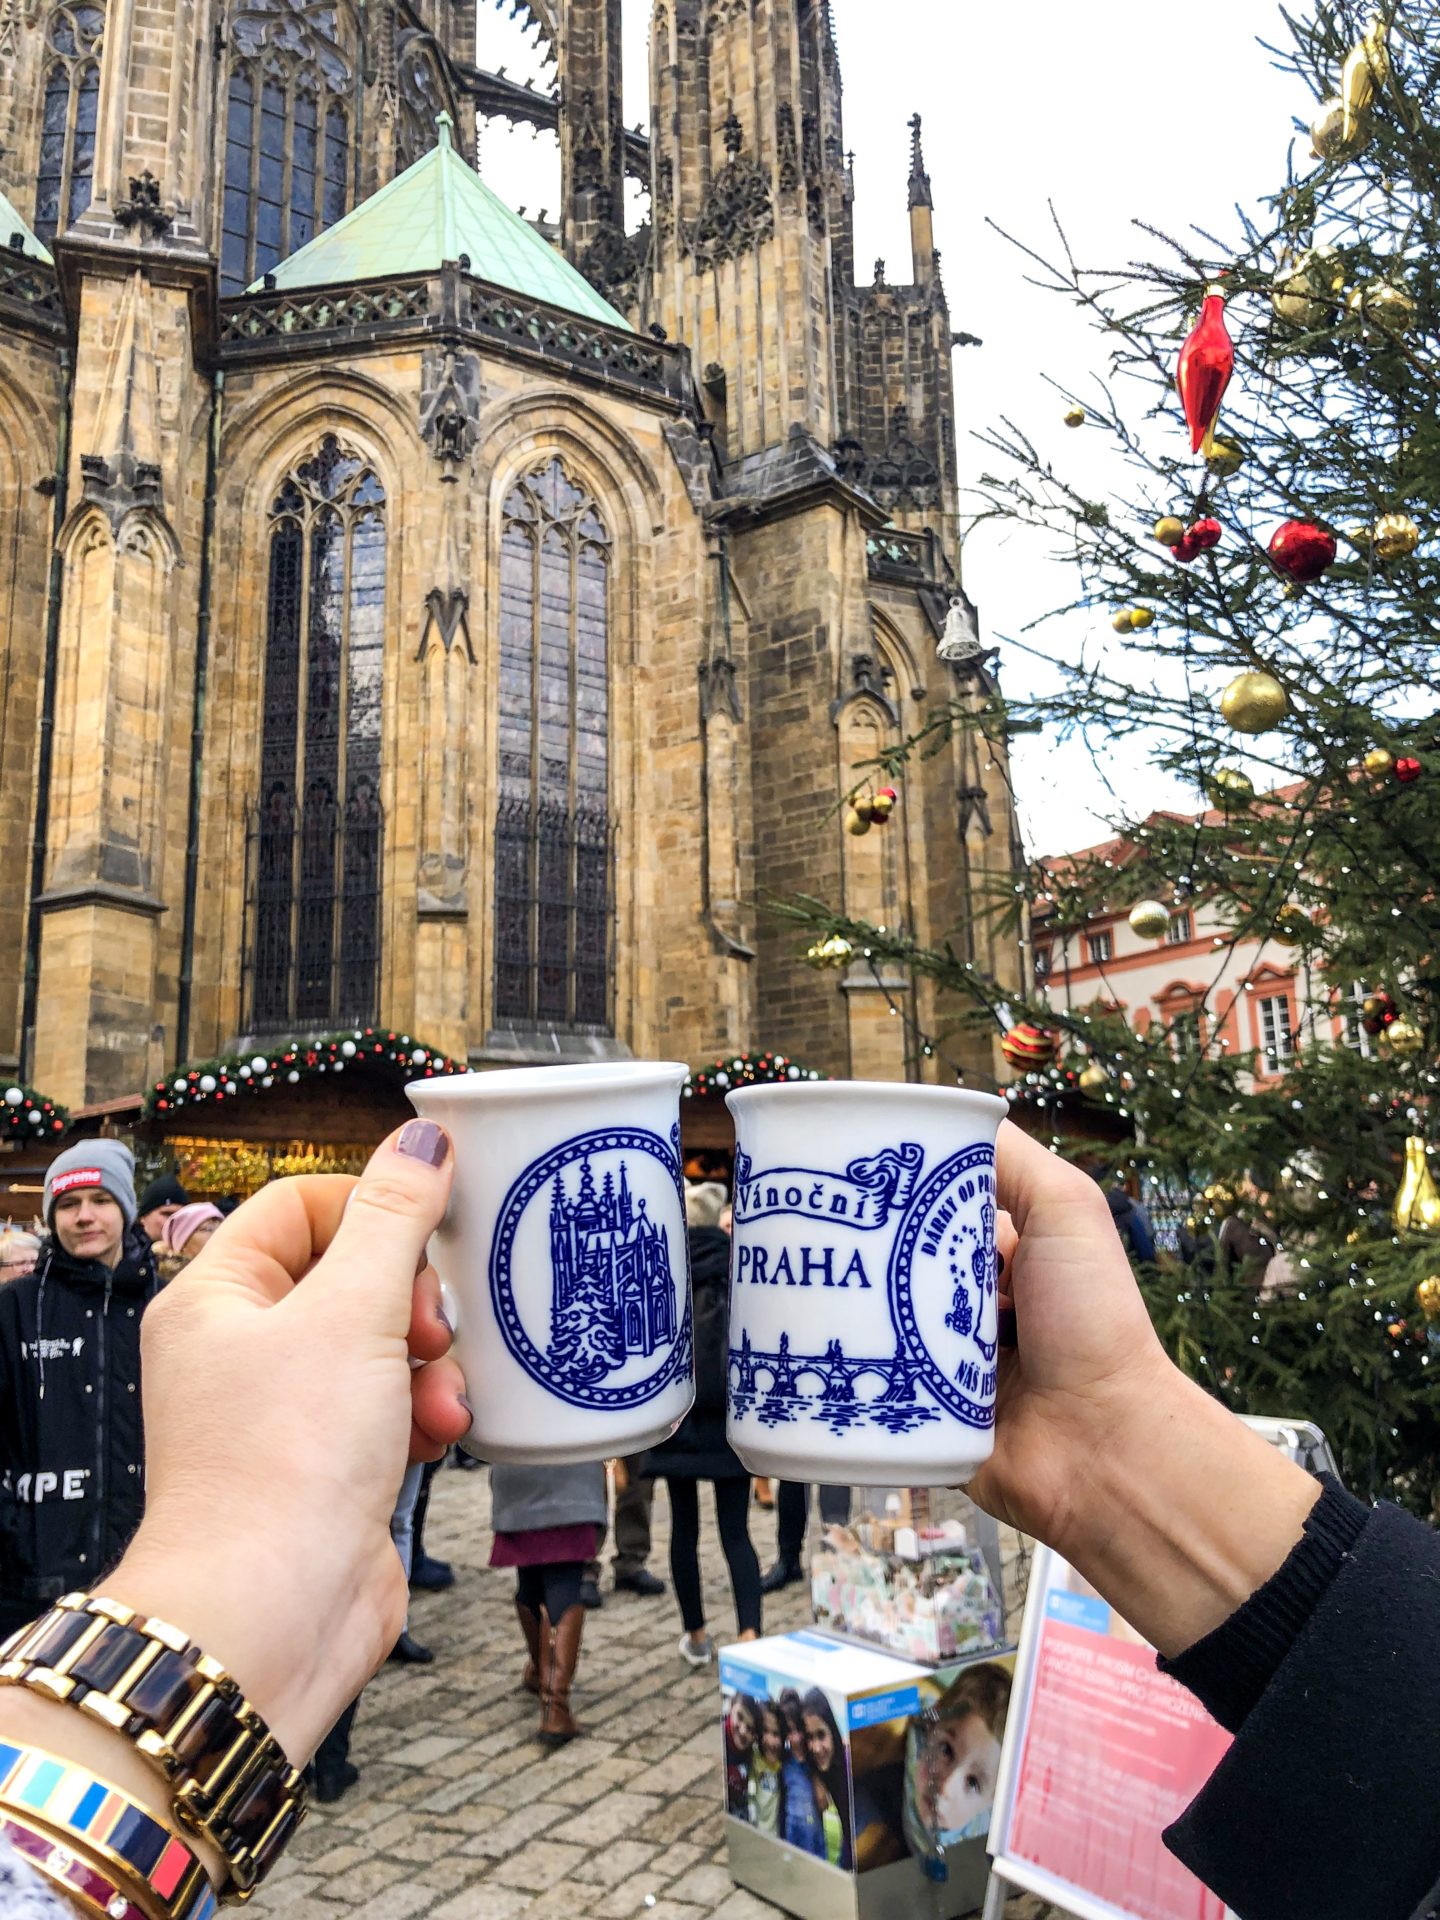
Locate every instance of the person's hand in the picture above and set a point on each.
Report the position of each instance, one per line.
(1166, 1502)
(288, 1373)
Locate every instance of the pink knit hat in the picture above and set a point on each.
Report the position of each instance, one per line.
(183, 1222)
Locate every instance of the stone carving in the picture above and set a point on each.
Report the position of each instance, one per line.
(738, 212)
(611, 264)
(787, 168)
(450, 394)
(719, 689)
(589, 147)
(447, 620)
(903, 475)
(143, 208)
(814, 173)
(665, 197)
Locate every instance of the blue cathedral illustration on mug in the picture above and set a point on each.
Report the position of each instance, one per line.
(613, 1291)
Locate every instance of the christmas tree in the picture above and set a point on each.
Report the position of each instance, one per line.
(1266, 583)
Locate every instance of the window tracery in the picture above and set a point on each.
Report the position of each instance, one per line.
(69, 106)
(289, 109)
(317, 834)
(553, 902)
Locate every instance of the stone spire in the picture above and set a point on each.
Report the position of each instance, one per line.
(922, 219)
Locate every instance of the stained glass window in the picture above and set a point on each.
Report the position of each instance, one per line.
(421, 99)
(316, 836)
(68, 107)
(553, 843)
(287, 134)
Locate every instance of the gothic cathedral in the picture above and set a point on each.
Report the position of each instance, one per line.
(415, 614)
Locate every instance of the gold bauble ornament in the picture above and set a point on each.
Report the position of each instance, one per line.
(1378, 761)
(1306, 290)
(1395, 535)
(1330, 137)
(1402, 1039)
(1075, 417)
(1292, 924)
(1150, 919)
(1224, 458)
(1428, 1295)
(856, 822)
(882, 806)
(1417, 1204)
(1360, 534)
(1230, 790)
(1254, 702)
(1366, 70)
(1382, 308)
(1169, 531)
(1140, 618)
(1219, 1199)
(1094, 1079)
(1121, 621)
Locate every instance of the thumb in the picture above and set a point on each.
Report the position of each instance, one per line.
(395, 1206)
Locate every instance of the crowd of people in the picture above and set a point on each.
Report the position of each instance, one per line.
(73, 1292)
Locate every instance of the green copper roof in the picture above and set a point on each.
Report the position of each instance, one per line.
(435, 211)
(10, 222)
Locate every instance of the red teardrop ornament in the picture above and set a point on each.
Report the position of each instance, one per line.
(1203, 371)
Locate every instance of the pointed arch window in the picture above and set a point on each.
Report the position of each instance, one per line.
(553, 853)
(289, 105)
(69, 104)
(422, 98)
(316, 834)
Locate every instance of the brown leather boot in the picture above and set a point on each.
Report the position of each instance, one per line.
(530, 1627)
(559, 1656)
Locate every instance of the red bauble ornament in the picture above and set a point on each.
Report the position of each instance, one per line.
(1203, 371)
(1205, 534)
(1301, 550)
(1378, 1011)
(1028, 1046)
(1185, 549)
(1407, 769)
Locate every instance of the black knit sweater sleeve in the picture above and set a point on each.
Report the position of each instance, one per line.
(1323, 1807)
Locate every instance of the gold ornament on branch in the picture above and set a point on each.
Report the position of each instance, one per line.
(1141, 618)
(857, 822)
(1366, 70)
(1378, 762)
(1402, 1039)
(1121, 621)
(1382, 308)
(1224, 458)
(1395, 535)
(1230, 790)
(1150, 919)
(1219, 1200)
(1075, 417)
(1169, 531)
(1306, 291)
(1428, 1295)
(1417, 1204)
(833, 952)
(1093, 1078)
(1329, 138)
(1292, 923)
(1254, 702)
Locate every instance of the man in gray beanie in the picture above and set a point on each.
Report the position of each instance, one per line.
(72, 1460)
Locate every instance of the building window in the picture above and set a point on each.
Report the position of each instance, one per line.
(68, 108)
(1277, 1042)
(1186, 1034)
(287, 135)
(1181, 928)
(1101, 947)
(1042, 963)
(552, 842)
(315, 837)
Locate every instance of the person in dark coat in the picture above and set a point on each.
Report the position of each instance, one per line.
(699, 1450)
(547, 1523)
(72, 1462)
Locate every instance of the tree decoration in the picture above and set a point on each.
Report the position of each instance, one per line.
(1075, 417)
(1384, 310)
(1378, 762)
(1220, 1200)
(1407, 769)
(1417, 1203)
(1329, 137)
(746, 1070)
(1292, 924)
(1203, 370)
(1402, 1039)
(1301, 550)
(242, 1075)
(1366, 70)
(832, 952)
(1230, 790)
(28, 1115)
(1395, 535)
(1307, 290)
(1093, 1078)
(1427, 1294)
(1225, 458)
(1254, 702)
(1205, 533)
(1027, 1045)
(1169, 530)
(1150, 919)
(1377, 1012)
(856, 822)
(883, 805)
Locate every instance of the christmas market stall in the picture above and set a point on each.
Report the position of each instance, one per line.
(707, 1132)
(32, 1131)
(317, 1105)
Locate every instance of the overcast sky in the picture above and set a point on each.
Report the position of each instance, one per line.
(1117, 110)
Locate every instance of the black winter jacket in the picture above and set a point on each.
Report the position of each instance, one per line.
(72, 1460)
(699, 1449)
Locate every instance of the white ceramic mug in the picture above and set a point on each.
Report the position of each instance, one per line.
(563, 1258)
(864, 1322)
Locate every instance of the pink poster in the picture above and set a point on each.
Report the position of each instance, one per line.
(1112, 1753)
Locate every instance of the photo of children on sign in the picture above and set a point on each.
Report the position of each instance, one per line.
(907, 1786)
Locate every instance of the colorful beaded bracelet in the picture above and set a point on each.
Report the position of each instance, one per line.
(229, 1780)
(100, 1819)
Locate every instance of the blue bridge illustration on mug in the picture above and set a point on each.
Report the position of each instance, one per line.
(598, 1296)
(948, 1219)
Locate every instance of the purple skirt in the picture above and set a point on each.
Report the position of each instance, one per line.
(545, 1546)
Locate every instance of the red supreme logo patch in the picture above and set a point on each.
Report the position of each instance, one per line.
(77, 1177)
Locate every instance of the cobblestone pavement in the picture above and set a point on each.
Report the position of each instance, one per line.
(460, 1815)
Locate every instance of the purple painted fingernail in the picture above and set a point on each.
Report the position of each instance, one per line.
(423, 1140)
(444, 1319)
(464, 1400)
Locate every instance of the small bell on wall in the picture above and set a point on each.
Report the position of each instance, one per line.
(960, 643)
